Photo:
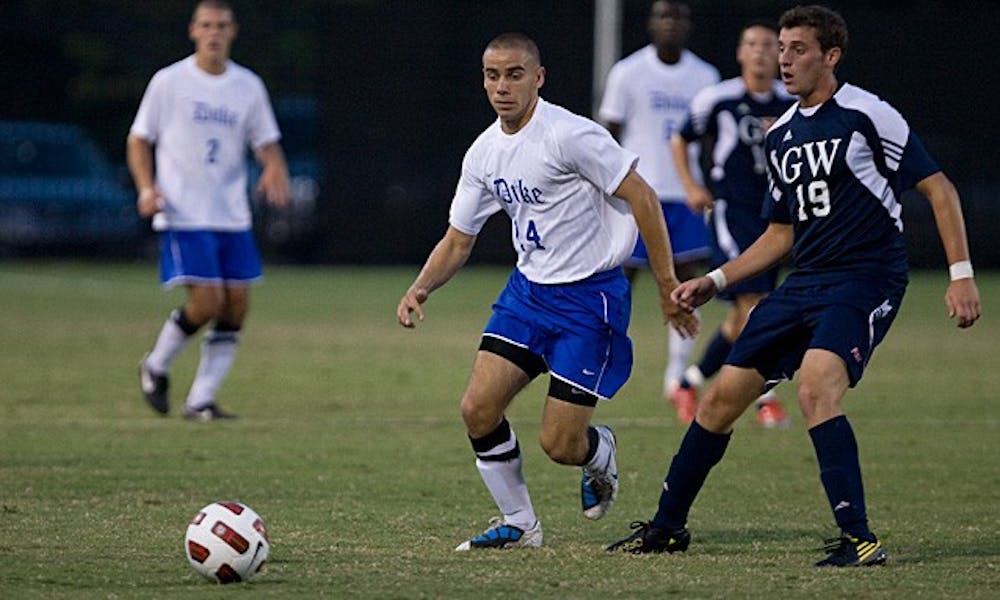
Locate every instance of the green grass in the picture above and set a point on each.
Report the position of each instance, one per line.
(351, 447)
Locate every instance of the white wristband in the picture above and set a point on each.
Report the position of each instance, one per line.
(718, 278)
(961, 270)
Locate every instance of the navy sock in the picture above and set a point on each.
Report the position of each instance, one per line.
(715, 354)
(840, 472)
(699, 452)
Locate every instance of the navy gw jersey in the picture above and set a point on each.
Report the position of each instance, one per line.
(836, 173)
(736, 121)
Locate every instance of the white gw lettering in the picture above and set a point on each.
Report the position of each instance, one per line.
(819, 155)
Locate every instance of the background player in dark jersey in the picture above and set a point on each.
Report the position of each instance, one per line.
(837, 164)
(732, 117)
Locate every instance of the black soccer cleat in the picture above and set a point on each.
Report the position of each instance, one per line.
(208, 413)
(646, 539)
(154, 388)
(847, 551)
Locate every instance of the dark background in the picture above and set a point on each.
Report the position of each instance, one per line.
(399, 91)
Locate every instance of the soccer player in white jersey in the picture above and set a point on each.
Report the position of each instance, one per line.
(575, 202)
(645, 101)
(201, 114)
(838, 162)
(731, 117)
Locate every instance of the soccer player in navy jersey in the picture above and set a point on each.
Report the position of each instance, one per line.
(838, 162)
(732, 117)
(576, 205)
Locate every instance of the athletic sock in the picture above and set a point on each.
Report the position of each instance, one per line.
(679, 353)
(173, 338)
(498, 458)
(699, 452)
(598, 454)
(840, 471)
(715, 354)
(218, 350)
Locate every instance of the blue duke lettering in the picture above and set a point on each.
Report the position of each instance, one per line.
(511, 192)
(206, 113)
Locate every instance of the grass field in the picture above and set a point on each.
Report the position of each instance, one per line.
(351, 447)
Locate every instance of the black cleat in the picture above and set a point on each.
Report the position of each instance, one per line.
(208, 413)
(154, 388)
(646, 539)
(847, 551)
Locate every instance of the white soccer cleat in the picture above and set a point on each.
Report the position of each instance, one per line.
(502, 536)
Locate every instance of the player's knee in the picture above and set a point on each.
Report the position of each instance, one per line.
(478, 419)
(560, 447)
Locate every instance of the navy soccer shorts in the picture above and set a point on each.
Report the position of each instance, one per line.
(202, 257)
(577, 331)
(847, 318)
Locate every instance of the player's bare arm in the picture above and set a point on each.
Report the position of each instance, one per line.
(769, 249)
(139, 156)
(962, 297)
(649, 217)
(273, 183)
(699, 198)
(444, 261)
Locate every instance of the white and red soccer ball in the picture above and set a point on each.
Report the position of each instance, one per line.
(227, 542)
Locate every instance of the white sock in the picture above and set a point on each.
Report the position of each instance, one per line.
(169, 344)
(217, 353)
(601, 457)
(505, 481)
(679, 353)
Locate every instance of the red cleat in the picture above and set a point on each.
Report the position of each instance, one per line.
(685, 400)
(771, 414)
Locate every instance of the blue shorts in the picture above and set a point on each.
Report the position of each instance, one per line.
(734, 228)
(208, 257)
(848, 319)
(688, 236)
(579, 329)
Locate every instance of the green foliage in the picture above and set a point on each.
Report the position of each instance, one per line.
(351, 447)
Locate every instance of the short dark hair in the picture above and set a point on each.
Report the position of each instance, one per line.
(514, 39)
(765, 23)
(214, 5)
(831, 29)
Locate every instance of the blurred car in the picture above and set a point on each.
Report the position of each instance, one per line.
(58, 190)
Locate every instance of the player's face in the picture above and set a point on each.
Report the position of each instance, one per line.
(511, 77)
(758, 53)
(803, 63)
(669, 24)
(212, 30)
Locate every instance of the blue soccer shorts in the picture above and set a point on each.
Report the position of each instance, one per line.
(734, 228)
(577, 331)
(848, 318)
(688, 236)
(202, 257)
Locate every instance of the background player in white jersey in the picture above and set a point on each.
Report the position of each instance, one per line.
(838, 163)
(574, 200)
(645, 101)
(201, 114)
(730, 119)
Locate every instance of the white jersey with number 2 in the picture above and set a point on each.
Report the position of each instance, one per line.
(201, 125)
(554, 178)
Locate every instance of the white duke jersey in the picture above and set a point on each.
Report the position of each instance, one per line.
(201, 125)
(650, 99)
(836, 172)
(554, 178)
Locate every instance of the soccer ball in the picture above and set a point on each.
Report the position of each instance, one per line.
(227, 542)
